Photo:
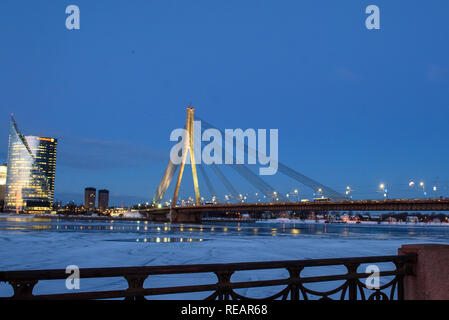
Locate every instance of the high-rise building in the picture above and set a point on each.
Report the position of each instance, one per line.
(30, 179)
(103, 199)
(90, 195)
(3, 171)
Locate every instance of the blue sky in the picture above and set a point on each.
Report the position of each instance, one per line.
(353, 106)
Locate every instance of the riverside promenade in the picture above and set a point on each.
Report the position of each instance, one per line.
(420, 273)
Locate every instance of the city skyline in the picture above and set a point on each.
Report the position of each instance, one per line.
(418, 192)
(348, 113)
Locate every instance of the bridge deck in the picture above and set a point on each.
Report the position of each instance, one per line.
(360, 205)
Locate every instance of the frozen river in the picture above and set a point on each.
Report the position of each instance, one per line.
(42, 243)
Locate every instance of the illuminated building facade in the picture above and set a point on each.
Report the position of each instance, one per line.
(3, 171)
(90, 195)
(103, 200)
(30, 179)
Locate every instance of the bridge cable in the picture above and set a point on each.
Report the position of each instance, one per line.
(255, 180)
(165, 182)
(207, 180)
(314, 185)
(225, 181)
(252, 178)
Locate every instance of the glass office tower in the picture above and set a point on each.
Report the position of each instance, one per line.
(30, 178)
(3, 170)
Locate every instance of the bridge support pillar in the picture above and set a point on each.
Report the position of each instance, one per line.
(429, 280)
(176, 216)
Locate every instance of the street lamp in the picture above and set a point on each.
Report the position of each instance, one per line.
(384, 190)
(411, 184)
(296, 192)
(421, 184)
(348, 191)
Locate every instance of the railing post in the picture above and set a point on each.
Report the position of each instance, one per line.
(224, 279)
(404, 269)
(135, 282)
(352, 281)
(429, 280)
(23, 289)
(294, 282)
(401, 267)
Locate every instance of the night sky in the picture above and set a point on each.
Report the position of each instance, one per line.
(353, 106)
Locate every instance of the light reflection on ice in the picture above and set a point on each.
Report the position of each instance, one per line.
(241, 230)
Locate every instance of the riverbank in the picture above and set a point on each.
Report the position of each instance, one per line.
(372, 223)
(75, 217)
(135, 216)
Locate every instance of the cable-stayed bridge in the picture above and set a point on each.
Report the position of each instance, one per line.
(327, 198)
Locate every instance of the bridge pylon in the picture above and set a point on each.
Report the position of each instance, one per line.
(188, 148)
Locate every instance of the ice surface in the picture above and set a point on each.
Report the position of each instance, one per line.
(40, 243)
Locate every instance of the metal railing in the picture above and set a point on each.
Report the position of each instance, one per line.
(294, 287)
